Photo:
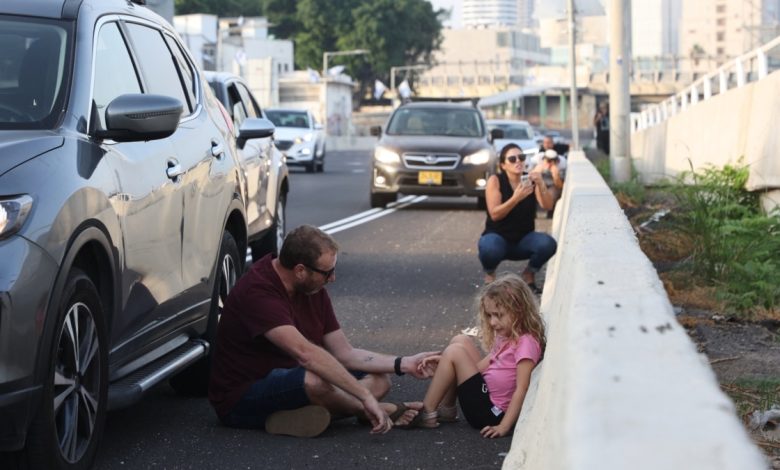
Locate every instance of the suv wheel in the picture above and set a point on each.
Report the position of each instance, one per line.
(194, 380)
(69, 422)
(382, 199)
(272, 241)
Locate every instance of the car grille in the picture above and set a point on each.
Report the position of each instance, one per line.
(431, 161)
(284, 144)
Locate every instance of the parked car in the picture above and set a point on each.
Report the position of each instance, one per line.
(433, 148)
(263, 164)
(516, 132)
(122, 220)
(300, 137)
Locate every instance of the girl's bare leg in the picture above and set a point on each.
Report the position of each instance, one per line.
(468, 344)
(455, 366)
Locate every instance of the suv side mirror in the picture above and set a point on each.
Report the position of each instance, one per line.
(376, 131)
(137, 117)
(254, 128)
(496, 134)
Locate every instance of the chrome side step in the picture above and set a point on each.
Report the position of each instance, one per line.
(131, 388)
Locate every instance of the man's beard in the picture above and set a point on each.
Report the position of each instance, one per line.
(308, 288)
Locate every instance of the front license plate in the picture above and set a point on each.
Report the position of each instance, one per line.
(429, 177)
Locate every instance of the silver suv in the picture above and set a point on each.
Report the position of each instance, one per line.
(268, 179)
(123, 220)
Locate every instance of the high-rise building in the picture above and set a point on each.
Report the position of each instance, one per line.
(525, 14)
(489, 13)
(724, 29)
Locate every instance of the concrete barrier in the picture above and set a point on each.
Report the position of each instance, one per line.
(621, 385)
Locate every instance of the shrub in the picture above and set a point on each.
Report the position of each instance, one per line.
(734, 244)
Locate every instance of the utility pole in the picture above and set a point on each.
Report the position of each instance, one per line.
(619, 91)
(574, 111)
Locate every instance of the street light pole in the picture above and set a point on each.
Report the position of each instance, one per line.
(619, 91)
(403, 67)
(574, 109)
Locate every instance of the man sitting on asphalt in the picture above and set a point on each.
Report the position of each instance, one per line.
(282, 362)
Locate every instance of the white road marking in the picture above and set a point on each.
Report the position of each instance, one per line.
(363, 217)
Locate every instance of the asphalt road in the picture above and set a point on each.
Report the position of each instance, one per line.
(405, 283)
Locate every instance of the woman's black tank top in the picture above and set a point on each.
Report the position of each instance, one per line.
(521, 219)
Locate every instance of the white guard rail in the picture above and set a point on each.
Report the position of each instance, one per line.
(748, 68)
(621, 385)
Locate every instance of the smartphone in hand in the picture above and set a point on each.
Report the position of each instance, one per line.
(525, 180)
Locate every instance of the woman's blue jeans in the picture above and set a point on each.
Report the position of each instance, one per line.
(536, 247)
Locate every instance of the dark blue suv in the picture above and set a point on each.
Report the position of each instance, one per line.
(122, 220)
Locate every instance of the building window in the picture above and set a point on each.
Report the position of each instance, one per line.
(720, 36)
(720, 9)
(721, 52)
(721, 21)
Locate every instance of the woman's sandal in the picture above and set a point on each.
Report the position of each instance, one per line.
(534, 288)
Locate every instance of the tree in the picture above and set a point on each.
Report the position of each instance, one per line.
(395, 32)
(281, 14)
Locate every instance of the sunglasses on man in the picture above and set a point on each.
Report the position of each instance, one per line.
(327, 274)
(515, 158)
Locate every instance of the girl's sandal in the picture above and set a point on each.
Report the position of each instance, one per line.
(447, 414)
(424, 419)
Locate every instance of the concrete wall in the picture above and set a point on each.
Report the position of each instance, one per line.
(740, 122)
(621, 385)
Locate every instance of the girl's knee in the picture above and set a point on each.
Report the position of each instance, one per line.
(460, 339)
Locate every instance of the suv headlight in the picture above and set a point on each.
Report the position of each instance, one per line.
(384, 155)
(304, 138)
(478, 158)
(13, 212)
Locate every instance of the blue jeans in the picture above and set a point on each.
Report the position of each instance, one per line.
(536, 247)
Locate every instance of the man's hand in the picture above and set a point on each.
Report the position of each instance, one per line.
(411, 364)
(380, 421)
(429, 364)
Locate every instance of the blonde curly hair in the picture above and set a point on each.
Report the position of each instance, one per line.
(512, 295)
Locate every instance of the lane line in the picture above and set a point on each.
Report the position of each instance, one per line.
(363, 217)
(383, 213)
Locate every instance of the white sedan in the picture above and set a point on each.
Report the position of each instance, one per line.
(300, 137)
(516, 132)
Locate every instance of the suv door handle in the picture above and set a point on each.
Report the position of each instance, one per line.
(174, 169)
(217, 150)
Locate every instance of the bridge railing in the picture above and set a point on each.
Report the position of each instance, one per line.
(747, 68)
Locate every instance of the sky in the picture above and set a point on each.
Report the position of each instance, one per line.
(455, 5)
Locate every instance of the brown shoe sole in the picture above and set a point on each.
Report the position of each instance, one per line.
(309, 421)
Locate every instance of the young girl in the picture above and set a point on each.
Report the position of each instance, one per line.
(490, 389)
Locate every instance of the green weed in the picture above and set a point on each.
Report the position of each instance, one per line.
(734, 244)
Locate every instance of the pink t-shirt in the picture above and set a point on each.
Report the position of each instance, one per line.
(501, 373)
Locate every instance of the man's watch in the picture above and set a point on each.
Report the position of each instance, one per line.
(398, 366)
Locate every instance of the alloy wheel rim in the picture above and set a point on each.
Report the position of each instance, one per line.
(76, 382)
(279, 224)
(228, 278)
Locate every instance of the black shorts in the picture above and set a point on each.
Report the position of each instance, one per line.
(475, 403)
